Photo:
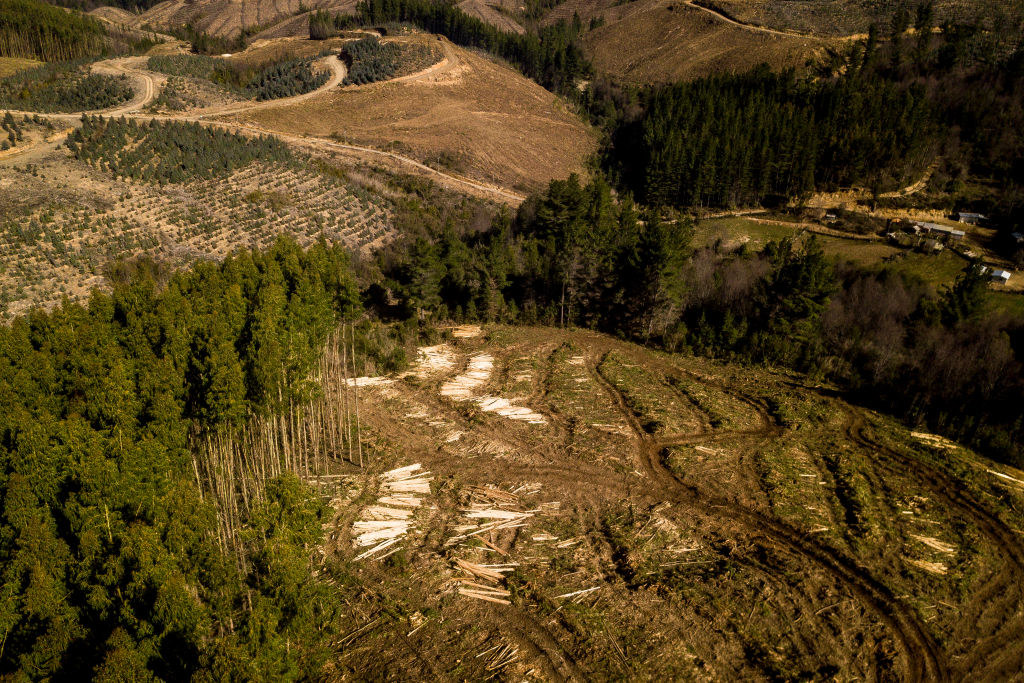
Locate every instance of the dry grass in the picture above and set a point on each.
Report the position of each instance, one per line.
(662, 41)
(473, 116)
(839, 17)
(498, 13)
(12, 65)
(227, 17)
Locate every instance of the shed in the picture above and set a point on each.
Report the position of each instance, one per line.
(971, 218)
(943, 230)
(999, 275)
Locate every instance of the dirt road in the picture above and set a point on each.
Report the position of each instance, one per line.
(146, 91)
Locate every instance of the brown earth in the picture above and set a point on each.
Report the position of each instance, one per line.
(472, 116)
(662, 41)
(227, 17)
(684, 520)
(498, 13)
(843, 17)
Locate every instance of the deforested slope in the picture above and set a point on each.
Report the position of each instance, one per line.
(467, 114)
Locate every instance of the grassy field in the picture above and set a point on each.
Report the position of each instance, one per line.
(673, 519)
(469, 116)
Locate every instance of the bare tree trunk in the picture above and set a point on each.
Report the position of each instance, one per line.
(355, 395)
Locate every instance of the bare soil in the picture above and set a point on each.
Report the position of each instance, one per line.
(684, 520)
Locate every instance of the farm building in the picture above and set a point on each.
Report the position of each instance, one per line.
(999, 275)
(942, 230)
(970, 218)
(932, 246)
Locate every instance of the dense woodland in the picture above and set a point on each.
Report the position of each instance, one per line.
(370, 60)
(36, 30)
(111, 562)
(575, 256)
(551, 55)
(62, 87)
(873, 116)
(170, 151)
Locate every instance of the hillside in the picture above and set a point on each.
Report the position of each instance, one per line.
(672, 518)
(660, 41)
(468, 114)
(847, 17)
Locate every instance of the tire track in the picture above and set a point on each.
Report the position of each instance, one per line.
(922, 658)
(1009, 580)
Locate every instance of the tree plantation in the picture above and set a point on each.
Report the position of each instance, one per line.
(370, 60)
(33, 29)
(267, 81)
(873, 115)
(113, 566)
(169, 152)
(65, 87)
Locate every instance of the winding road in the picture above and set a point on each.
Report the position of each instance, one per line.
(145, 85)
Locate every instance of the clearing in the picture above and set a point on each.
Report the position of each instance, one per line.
(668, 518)
(471, 116)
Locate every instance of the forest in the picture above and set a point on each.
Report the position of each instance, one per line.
(170, 151)
(112, 566)
(576, 256)
(323, 24)
(744, 140)
(63, 87)
(36, 30)
(551, 55)
(874, 116)
(266, 81)
(370, 60)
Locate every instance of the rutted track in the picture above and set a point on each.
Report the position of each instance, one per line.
(922, 658)
(1008, 583)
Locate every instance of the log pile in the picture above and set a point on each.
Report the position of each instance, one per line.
(384, 524)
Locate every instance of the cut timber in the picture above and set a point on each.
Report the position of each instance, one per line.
(433, 360)
(466, 331)
(368, 381)
(488, 598)
(930, 567)
(377, 548)
(401, 472)
(401, 501)
(477, 373)
(492, 573)
(576, 593)
(935, 544)
(462, 388)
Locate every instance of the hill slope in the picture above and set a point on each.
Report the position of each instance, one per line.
(661, 517)
(469, 114)
(662, 41)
